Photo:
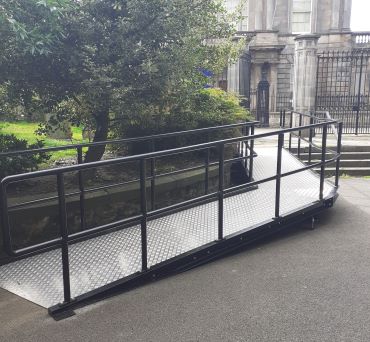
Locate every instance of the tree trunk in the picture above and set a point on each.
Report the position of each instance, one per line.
(95, 153)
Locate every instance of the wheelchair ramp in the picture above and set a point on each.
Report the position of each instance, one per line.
(99, 261)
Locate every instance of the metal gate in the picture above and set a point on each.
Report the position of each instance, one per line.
(342, 88)
(245, 79)
(263, 94)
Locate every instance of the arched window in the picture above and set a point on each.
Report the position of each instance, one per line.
(301, 16)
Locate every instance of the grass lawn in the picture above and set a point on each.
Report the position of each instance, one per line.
(26, 130)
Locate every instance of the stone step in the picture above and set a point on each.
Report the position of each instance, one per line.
(344, 156)
(349, 162)
(345, 148)
(347, 171)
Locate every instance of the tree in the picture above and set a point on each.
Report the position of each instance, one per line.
(116, 58)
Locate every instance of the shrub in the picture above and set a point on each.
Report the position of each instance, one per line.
(206, 108)
(10, 165)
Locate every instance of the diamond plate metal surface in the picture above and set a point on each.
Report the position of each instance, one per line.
(102, 260)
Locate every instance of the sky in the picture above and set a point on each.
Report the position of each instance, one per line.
(360, 19)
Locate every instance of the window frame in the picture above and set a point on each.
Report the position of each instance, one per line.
(309, 23)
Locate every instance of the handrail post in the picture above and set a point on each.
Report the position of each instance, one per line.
(153, 175)
(64, 236)
(281, 118)
(299, 135)
(143, 206)
(221, 174)
(206, 175)
(5, 220)
(251, 160)
(310, 141)
(290, 133)
(339, 150)
(81, 188)
(278, 174)
(246, 148)
(323, 160)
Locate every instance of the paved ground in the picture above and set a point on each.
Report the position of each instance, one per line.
(302, 286)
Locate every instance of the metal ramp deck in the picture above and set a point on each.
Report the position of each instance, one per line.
(102, 260)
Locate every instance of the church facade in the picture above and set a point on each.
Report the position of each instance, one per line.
(284, 39)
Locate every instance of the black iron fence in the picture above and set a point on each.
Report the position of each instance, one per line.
(343, 88)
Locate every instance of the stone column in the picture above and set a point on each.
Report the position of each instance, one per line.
(258, 15)
(335, 15)
(233, 77)
(270, 9)
(305, 67)
(346, 25)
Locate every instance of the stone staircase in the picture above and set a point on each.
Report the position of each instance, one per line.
(355, 160)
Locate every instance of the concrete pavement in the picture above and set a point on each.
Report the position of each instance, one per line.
(300, 286)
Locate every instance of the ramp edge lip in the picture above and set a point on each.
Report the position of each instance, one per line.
(197, 256)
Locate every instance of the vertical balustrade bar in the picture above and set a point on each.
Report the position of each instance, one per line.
(153, 175)
(5, 219)
(143, 205)
(64, 235)
(284, 115)
(278, 174)
(221, 175)
(82, 189)
(310, 141)
(339, 150)
(323, 159)
(246, 148)
(251, 160)
(281, 118)
(206, 175)
(299, 135)
(290, 134)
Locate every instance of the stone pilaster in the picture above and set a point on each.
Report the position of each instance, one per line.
(233, 77)
(305, 67)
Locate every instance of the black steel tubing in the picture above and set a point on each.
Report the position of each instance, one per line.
(323, 158)
(153, 175)
(300, 135)
(310, 142)
(82, 189)
(290, 134)
(339, 150)
(206, 173)
(251, 161)
(221, 175)
(64, 236)
(143, 205)
(7, 240)
(85, 166)
(127, 140)
(278, 174)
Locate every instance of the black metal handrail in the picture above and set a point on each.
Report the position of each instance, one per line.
(145, 214)
(313, 116)
(246, 127)
(150, 138)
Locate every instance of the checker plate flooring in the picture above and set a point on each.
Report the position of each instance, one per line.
(102, 260)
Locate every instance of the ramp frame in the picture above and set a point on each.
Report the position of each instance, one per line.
(223, 244)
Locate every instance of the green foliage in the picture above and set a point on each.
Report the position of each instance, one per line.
(26, 131)
(205, 108)
(109, 59)
(19, 163)
(34, 25)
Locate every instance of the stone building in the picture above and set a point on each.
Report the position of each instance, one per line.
(280, 60)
